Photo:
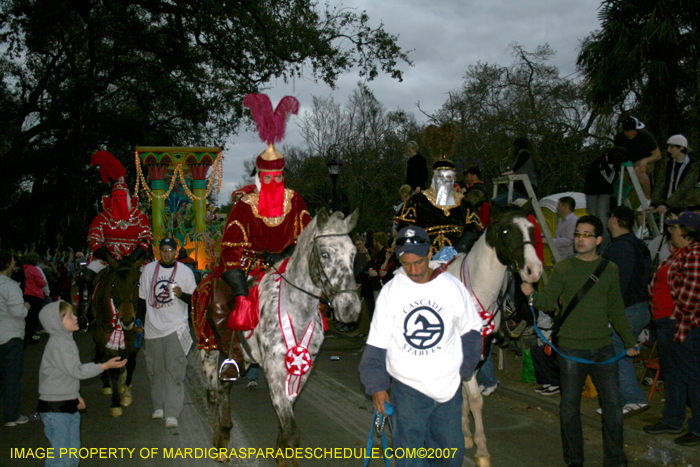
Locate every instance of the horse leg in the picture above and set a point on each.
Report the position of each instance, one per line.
(115, 409)
(218, 400)
(106, 385)
(468, 440)
(223, 422)
(476, 404)
(126, 396)
(288, 435)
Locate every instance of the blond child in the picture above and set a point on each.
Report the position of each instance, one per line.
(59, 381)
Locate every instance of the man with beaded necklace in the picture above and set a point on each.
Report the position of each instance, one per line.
(165, 291)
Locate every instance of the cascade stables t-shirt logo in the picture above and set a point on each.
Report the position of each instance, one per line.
(423, 330)
(163, 292)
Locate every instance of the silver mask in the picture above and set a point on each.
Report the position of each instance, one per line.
(443, 181)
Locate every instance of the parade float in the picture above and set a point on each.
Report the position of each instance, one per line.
(177, 197)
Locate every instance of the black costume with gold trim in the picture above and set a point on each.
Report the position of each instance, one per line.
(446, 225)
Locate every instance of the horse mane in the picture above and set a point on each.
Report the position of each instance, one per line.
(332, 225)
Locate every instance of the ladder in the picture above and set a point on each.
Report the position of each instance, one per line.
(510, 180)
(647, 216)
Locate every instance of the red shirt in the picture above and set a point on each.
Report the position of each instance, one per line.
(35, 281)
(660, 301)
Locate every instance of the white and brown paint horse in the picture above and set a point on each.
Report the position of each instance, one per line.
(506, 242)
(322, 263)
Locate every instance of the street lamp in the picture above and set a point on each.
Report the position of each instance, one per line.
(333, 170)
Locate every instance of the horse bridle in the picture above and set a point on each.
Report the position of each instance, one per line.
(500, 300)
(332, 292)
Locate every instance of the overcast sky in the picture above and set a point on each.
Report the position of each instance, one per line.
(446, 36)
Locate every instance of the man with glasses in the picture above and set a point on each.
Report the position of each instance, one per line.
(165, 290)
(423, 341)
(585, 334)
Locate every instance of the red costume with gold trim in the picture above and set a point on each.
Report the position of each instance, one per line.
(247, 233)
(265, 221)
(120, 227)
(120, 237)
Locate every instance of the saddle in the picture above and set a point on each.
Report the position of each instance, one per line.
(212, 304)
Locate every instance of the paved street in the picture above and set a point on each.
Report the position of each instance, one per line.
(332, 412)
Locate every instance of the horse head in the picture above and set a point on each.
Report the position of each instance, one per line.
(510, 233)
(120, 286)
(331, 262)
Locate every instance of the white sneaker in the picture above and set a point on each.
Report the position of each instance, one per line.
(488, 391)
(171, 422)
(20, 421)
(158, 413)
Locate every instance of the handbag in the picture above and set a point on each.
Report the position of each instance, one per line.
(558, 322)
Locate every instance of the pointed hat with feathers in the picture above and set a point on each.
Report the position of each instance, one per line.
(110, 169)
(271, 127)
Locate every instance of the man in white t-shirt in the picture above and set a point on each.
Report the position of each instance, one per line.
(165, 290)
(424, 340)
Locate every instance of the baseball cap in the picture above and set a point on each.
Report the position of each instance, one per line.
(678, 140)
(632, 123)
(625, 214)
(168, 241)
(687, 218)
(412, 240)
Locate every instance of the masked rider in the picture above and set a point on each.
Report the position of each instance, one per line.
(265, 222)
(443, 212)
(120, 233)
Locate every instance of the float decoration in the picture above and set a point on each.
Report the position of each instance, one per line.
(183, 162)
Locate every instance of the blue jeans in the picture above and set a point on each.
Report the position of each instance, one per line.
(419, 421)
(253, 372)
(631, 392)
(680, 366)
(606, 380)
(63, 431)
(11, 358)
(486, 376)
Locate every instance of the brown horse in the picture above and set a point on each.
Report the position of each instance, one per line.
(113, 306)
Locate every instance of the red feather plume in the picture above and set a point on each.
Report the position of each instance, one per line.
(271, 125)
(110, 167)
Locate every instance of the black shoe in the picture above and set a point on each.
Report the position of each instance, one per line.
(550, 391)
(661, 428)
(688, 439)
(575, 464)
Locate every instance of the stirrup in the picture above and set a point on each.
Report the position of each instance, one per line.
(225, 365)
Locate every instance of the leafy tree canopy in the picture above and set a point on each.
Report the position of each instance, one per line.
(79, 75)
(645, 59)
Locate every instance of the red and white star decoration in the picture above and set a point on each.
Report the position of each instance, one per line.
(298, 360)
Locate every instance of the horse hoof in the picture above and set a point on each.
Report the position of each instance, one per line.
(126, 399)
(469, 443)
(482, 461)
(115, 412)
(221, 459)
(107, 391)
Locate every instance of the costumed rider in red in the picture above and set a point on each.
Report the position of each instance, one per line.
(265, 222)
(120, 233)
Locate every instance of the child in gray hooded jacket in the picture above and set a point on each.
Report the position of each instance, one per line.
(59, 383)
